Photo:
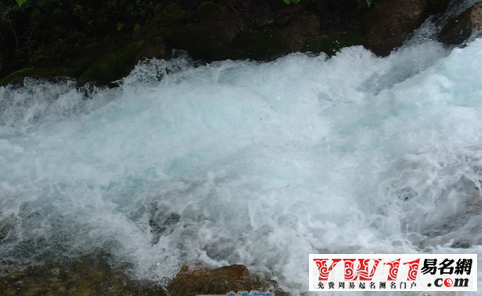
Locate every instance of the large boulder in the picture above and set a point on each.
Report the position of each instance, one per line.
(389, 22)
(211, 281)
(459, 28)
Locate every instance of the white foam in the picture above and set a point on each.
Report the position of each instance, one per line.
(252, 163)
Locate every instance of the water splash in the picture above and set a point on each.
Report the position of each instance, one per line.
(252, 163)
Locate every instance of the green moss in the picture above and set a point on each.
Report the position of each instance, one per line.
(331, 45)
(111, 66)
(261, 44)
(46, 72)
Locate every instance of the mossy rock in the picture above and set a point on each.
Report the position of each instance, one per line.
(111, 66)
(173, 14)
(331, 45)
(261, 44)
(46, 72)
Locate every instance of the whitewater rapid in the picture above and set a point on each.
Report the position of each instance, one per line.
(253, 163)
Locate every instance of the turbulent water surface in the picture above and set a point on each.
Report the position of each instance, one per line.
(252, 163)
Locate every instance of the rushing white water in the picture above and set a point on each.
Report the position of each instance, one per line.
(252, 163)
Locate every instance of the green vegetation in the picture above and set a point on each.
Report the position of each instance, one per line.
(42, 33)
(21, 2)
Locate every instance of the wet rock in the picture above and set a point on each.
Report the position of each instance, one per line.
(389, 22)
(331, 45)
(264, 283)
(154, 48)
(459, 28)
(110, 66)
(211, 281)
(45, 72)
(78, 278)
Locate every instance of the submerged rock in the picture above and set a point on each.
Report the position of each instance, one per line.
(211, 281)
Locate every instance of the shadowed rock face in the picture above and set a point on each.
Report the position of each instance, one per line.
(461, 27)
(211, 281)
(388, 23)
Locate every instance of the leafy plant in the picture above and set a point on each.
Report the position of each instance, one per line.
(289, 1)
(21, 2)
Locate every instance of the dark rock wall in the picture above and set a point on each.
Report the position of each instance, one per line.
(226, 29)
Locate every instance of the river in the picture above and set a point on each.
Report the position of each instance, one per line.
(253, 163)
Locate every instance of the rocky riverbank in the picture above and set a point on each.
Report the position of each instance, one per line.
(208, 31)
(92, 276)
